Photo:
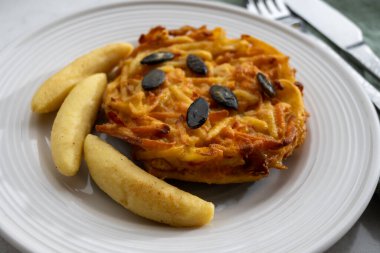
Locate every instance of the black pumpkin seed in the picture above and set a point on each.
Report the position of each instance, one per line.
(197, 113)
(153, 79)
(266, 85)
(196, 64)
(157, 58)
(224, 96)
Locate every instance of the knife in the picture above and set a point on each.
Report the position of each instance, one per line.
(339, 30)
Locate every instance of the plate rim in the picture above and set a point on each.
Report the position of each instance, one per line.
(365, 196)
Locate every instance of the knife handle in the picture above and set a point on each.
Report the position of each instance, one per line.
(366, 57)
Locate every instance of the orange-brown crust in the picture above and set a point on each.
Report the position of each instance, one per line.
(232, 146)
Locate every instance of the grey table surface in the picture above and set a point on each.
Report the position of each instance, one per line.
(18, 17)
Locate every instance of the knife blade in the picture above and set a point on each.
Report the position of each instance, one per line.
(339, 30)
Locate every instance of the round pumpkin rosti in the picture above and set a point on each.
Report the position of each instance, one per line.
(238, 140)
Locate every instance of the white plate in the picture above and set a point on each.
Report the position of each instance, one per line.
(306, 208)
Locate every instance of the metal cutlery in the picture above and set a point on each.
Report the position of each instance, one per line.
(339, 30)
(277, 10)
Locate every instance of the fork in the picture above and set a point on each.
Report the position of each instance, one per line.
(277, 10)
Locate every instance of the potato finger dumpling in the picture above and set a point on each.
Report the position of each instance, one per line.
(199, 106)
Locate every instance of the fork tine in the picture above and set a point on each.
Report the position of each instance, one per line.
(263, 9)
(274, 9)
(282, 7)
(251, 6)
(271, 7)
